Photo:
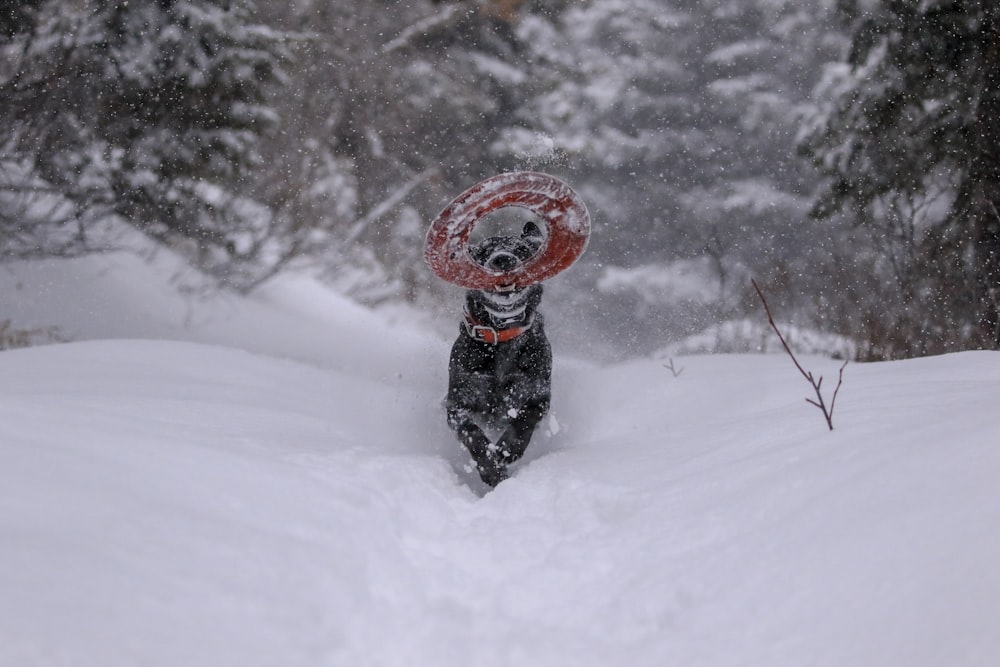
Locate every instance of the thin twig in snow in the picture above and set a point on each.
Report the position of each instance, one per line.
(817, 384)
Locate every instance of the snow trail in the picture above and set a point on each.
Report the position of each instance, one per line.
(301, 502)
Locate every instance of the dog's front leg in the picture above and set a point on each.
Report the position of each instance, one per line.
(471, 436)
(515, 438)
(483, 452)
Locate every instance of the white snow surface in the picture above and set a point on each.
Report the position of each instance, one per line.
(269, 481)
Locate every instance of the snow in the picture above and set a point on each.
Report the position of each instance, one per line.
(744, 335)
(269, 481)
(667, 283)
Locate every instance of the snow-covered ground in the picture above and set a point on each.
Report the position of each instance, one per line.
(269, 481)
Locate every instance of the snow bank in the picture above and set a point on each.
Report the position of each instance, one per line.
(284, 491)
(169, 503)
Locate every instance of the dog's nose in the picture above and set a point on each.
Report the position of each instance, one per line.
(502, 261)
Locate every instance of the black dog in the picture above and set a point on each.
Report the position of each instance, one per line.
(499, 375)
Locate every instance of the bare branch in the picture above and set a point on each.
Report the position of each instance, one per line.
(817, 384)
(670, 367)
(994, 208)
(387, 204)
(446, 16)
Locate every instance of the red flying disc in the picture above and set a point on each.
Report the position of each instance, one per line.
(446, 247)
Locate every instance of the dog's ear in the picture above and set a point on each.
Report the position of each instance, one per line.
(531, 239)
(531, 230)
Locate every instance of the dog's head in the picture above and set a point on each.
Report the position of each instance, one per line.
(506, 253)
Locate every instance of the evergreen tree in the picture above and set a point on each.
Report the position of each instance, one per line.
(150, 111)
(677, 120)
(394, 109)
(910, 140)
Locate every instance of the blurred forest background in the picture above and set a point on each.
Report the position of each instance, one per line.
(844, 153)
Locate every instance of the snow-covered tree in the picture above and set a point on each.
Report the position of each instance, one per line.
(677, 120)
(149, 111)
(393, 110)
(909, 137)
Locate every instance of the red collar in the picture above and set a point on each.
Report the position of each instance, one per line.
(488, 334)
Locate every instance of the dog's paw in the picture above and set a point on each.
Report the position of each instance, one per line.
(511, 446)
(492, 474)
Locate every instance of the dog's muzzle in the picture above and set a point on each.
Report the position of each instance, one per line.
(502, 261)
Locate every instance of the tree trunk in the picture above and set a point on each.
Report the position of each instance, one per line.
(985, 176)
